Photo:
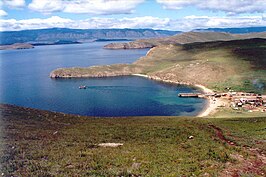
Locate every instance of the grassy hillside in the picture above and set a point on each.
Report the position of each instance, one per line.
(239, 64)
(42, 143)
(185, 38)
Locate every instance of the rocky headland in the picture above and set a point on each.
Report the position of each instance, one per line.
(129, 45)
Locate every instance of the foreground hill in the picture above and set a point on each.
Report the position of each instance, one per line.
(65, 34)
(42, 143)
(239, 64)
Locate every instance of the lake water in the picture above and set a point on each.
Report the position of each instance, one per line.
(25, 82)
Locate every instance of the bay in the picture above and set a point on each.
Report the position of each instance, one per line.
(25, 82)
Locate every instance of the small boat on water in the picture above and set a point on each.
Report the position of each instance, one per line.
(82, 87)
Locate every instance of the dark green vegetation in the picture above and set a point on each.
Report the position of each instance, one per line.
(239, 64)
(41, 143)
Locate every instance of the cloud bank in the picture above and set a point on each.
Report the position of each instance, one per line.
(231, 7)
(109, 7)
(103, 7)
(184, 24)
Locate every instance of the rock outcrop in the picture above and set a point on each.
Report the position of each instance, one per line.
(16, 46)
(129, 45)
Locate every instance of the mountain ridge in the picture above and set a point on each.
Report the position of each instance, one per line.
(50, 35)
(78, 35)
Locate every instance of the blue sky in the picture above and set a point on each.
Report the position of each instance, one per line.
(157, 14)
(147, 8)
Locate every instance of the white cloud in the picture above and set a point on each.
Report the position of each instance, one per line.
(46, 6)
(14, 3)
(184, 24)
(231, 7)
(2, 13)
(105, 7)
(193, 22)
(35, 23)
(92, 23)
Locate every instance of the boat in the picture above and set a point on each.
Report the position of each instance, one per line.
(82, 87)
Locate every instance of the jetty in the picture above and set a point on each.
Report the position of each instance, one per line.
(238, 100)
(195, 95)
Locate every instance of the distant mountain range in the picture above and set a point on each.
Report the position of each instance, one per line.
(234, 30)
(55, 35)
(78, 35)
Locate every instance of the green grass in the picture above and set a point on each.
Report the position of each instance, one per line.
(41, 143)
(236, 64)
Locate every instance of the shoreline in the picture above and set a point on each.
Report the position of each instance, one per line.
(211, 105)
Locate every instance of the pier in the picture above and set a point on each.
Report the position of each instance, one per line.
(195, 95)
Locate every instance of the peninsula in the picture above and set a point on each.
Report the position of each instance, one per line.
(212, 64)
(216, 65)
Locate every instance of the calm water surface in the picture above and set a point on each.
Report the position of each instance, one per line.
(25, 81)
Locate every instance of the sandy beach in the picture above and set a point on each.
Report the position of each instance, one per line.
(211, 106)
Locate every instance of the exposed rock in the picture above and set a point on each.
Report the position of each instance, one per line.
(95, 71)
(130, 45)
(110, 144)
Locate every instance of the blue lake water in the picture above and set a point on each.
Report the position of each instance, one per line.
(25, 81)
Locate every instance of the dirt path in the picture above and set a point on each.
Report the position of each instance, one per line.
(220, 135)
(253, 165)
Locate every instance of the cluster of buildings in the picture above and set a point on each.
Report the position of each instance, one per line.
(250, 102)
(247, 101)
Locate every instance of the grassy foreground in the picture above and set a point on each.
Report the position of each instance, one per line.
(42, 143)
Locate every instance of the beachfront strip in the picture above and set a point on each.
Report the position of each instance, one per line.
(250, 102)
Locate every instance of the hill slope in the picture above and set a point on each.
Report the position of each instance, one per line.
(185, 38)
(240, 64)
(42, 143)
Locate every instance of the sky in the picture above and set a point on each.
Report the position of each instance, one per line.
(177, 15)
